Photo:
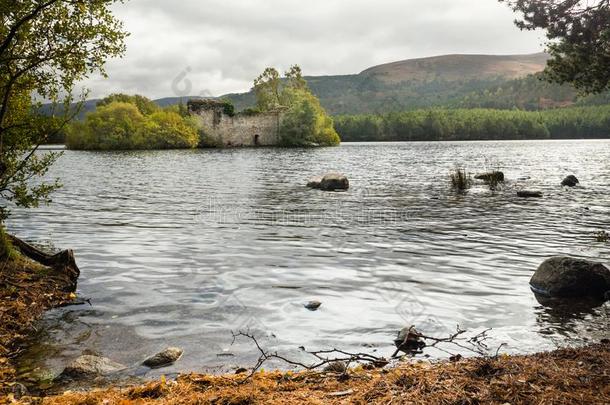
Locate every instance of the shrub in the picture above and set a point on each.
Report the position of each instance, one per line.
(460, 179)
(306, 123)
(122, 126)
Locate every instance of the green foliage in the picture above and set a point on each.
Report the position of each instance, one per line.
(122, 126)
(476, 124)
(144, 105)
(305, 122)
(579, 39)
(206, 104)
(45, 48)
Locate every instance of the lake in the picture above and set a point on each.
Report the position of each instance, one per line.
(179, 248)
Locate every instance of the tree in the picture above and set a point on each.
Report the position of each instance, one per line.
(46, 47)
(267, 90)
(144, 104)
(305, 122)
(579, 39)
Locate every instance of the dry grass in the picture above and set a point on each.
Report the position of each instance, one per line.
(27, 289)
(568, 376)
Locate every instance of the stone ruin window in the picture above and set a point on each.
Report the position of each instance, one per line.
(217, 117)
(256, 140)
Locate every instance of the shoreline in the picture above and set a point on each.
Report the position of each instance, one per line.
(570, 375)
(563, 376)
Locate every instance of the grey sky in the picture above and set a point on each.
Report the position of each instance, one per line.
(219, 46)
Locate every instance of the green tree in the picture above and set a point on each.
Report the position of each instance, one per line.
(114, 126)
(579, 39)
(46, 47)
(267, 88)
(145, 105)
(122, 126)
(305, 122)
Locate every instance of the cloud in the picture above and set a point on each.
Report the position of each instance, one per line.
(219, 46)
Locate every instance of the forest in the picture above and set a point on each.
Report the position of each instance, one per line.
(476, 124)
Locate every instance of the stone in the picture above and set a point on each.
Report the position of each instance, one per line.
(491, 176)
(570, 181)
(529, 194)
(408, 340)
(333, 182)
(87, 366)
(164, 358)
(571, 278)
(313, 305)
(336, 367)
(314, 182)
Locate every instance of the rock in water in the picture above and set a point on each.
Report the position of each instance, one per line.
(491, 176)
(408, 340)
(313, 305)
(334, 181)
(90, 366)
(529, 194)
(570, 277)
(314, 182)
(570, 181)
(164, 358)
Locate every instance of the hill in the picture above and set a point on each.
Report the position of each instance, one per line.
(415, 83)
(454, 81)
(459, 68)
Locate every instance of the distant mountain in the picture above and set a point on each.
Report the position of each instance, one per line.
(505, 82)
(459, 68)
(415, 83)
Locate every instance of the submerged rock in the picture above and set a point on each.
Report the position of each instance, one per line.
(529, 194)
(570, 181)
(313, 305)
(164, 358)
(491, 176)
(571, 278)
(329, 182)
(91, 366)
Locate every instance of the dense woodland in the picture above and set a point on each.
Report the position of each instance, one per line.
(476, 124)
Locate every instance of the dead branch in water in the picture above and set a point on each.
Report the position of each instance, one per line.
(474, 344)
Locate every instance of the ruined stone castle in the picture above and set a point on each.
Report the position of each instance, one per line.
(222, 128)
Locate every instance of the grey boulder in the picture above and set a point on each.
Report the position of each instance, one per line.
(570, 181)
(164, 358)
(329, 182)
(314, 182)
(496, 176)
(571, 278)
(91, 366)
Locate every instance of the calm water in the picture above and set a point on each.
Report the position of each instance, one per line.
(182, 247)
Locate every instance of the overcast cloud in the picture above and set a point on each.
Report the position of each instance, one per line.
(213, 47)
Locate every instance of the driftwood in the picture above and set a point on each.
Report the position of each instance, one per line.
(63, 263)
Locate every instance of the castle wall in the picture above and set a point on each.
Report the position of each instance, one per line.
(240, 130)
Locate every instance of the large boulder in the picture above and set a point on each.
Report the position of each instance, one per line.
(570, 181)
(88, 366)
(495, 176)
(314, 182)
(329, 182)
(571, 278)
(164, 358)
(334, 181)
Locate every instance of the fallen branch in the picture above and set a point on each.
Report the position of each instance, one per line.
(475, 344)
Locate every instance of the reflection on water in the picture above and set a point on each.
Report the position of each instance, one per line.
(181, 247)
